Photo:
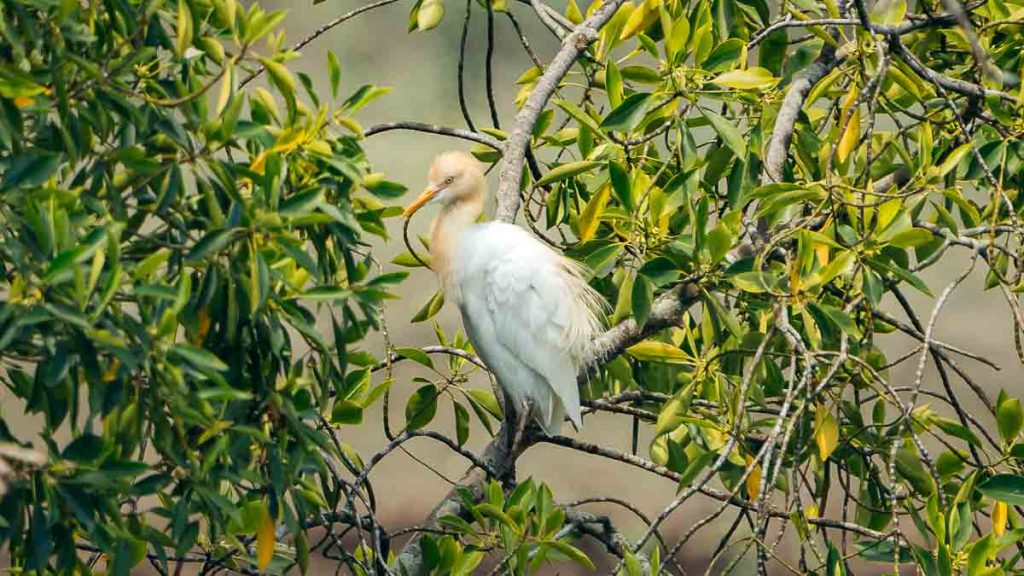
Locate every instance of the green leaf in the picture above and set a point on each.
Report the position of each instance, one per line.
(212, 243)
(421, 407)
(642, 296)
(572, 553)
(486, 400)
(409, 261)
(346, 412)
(724, 55)
(839, 317)
(325, 294)
(461, 423)
(334, 71)
(753, 282)
(580, 116)
(384, 189)
(613, 84)
(672, 414)
(730, 134)
(431, 308)
(626, 116)
(1010, 418)
(566, 171)
(30, 169)
(199, 357)
(416, 355)
(888, 12)
(430, 14)
(911, 238)
(281, 77)
(621, 185)
(656, 351)
(1007, 488)
(719, 241)
(750, 79)
(954, 158)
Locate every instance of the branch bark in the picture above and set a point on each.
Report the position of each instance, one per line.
(785, 122)
(510, 176)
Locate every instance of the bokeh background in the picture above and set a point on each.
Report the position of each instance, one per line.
(375, 48)
(422, 70)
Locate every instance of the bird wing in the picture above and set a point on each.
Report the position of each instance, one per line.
(525, 305)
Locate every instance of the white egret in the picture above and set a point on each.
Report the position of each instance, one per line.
(526, 308)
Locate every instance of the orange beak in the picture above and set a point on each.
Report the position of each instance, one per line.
(419, 202)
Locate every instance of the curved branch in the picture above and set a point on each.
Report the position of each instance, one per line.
(785, 122)
(477, 137)
(510, 176)
(320, 32)
(396, 357)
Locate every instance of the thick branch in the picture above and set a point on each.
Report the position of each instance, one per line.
(601, 529)
(785, 122)
(667, 311)
(510, 176)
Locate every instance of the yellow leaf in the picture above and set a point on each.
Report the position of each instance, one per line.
(591, 216)
(851, 135)
(257, 164)
(225, 90)
(110, 374)
(654, 351)
(753, 480)
(572, 12)
(430, 14)
(184, 38)
(265, 540)
(999, 511)
(642, 17)
(821, 250)
(889, 12)
(203, 328)
(826, 434)
(954, 158)
(756, 78)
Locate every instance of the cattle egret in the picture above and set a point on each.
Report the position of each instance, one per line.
(526, 308)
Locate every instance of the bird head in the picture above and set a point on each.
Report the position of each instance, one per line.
(454, 177)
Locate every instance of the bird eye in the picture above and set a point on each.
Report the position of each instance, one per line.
(449, 180)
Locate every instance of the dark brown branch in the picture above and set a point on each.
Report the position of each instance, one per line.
(435, 129)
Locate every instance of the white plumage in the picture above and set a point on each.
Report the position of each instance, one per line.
(526, 309)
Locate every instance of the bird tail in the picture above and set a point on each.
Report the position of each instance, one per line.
(551, 414)
(551, 419)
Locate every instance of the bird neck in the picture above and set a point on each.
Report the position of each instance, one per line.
(446, 232)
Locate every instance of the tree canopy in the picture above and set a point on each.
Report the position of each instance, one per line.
(757, 189)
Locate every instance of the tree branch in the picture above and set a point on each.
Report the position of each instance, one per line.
(785, 122)
(320, 32)
(510, 176)
(435, 129)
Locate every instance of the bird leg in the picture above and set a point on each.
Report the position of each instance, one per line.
(522, 420)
